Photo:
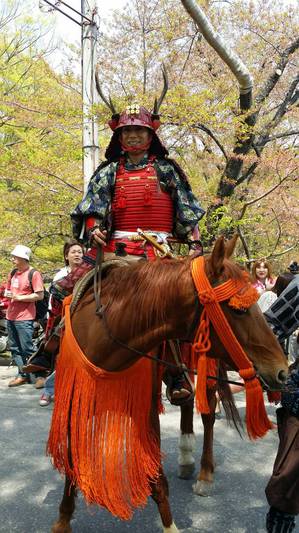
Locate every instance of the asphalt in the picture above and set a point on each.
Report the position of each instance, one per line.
(31, 490)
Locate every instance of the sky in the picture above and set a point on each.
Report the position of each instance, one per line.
(69, 30)
(65, 30)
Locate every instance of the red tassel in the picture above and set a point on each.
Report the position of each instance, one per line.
(201, 401)
(122, 203)
(257, 421)
(148, 197)
(274, 396)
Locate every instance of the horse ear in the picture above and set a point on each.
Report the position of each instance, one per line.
(217, 257)
(230, 246)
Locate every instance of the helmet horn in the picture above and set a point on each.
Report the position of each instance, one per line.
(158, 103)
(109, 102)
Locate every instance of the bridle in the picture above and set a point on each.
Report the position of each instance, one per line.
(227, 289)
(240, 294)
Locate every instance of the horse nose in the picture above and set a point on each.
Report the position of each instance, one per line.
(282, 376)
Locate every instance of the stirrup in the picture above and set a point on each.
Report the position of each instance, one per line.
(173, 384)
(43, 359)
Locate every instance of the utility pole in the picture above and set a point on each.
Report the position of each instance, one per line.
(89, 29)
(90, 132)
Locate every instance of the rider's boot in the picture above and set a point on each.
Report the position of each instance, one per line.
(180, 389)
(279, 522)
(44, 358)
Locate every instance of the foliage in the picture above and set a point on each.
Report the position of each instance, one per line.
(40, 148)
(202, 126)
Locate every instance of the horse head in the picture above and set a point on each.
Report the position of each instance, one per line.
(246, 321)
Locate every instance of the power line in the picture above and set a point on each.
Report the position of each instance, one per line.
(55, 7)
(75, 10)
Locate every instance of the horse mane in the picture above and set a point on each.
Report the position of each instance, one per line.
(141, 289)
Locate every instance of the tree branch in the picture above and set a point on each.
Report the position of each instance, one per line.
(231, 176)
(282, 135)
(206, 130)
(279, 231)
(291, 95)
(286, 251)
(277, 72)
(58, 178)
(255, 200)
(245, 246)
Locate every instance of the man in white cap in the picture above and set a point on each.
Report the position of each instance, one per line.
(23, 292)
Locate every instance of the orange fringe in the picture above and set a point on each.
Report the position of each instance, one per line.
(257, 421)
(244, 299)
(103, 419)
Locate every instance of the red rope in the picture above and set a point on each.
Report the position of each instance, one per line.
(257, 421)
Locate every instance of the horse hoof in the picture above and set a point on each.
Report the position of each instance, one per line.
(58, 527)
(202, 488)
(186, 471)
(171, 529)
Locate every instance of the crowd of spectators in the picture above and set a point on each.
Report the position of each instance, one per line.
(21, 327)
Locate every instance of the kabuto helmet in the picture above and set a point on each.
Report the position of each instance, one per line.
(134, 115)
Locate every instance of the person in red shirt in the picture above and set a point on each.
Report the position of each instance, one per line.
(21, 310)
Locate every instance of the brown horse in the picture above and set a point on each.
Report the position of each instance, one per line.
(186, 458)
(146, 304)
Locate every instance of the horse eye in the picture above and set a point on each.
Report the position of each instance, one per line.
(241, 311)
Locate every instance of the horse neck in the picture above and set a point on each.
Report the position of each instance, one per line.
(140, 320)
(170, 311)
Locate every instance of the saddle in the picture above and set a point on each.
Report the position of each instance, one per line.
(84, 283)
(44, 358)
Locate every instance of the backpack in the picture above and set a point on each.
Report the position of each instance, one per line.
(41, 305)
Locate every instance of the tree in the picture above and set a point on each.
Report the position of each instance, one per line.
(242, 164)
(40, 146)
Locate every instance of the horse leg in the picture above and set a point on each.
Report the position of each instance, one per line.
(159, 488)
(186, 460)
(66, 509)
(205, 478)
(160, 495)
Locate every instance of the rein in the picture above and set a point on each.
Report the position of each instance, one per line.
(97, 278)
(157, 359)
(240, 294)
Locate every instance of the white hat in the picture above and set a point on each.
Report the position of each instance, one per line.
(22, 251)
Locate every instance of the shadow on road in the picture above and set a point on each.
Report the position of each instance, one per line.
(31, 490)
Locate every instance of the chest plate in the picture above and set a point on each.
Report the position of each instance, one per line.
(139, 201)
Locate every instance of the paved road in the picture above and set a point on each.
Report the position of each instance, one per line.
(31, 490)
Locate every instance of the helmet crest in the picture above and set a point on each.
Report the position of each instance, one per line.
(135, 115)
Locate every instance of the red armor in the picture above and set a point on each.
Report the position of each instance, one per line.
(139, 201)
